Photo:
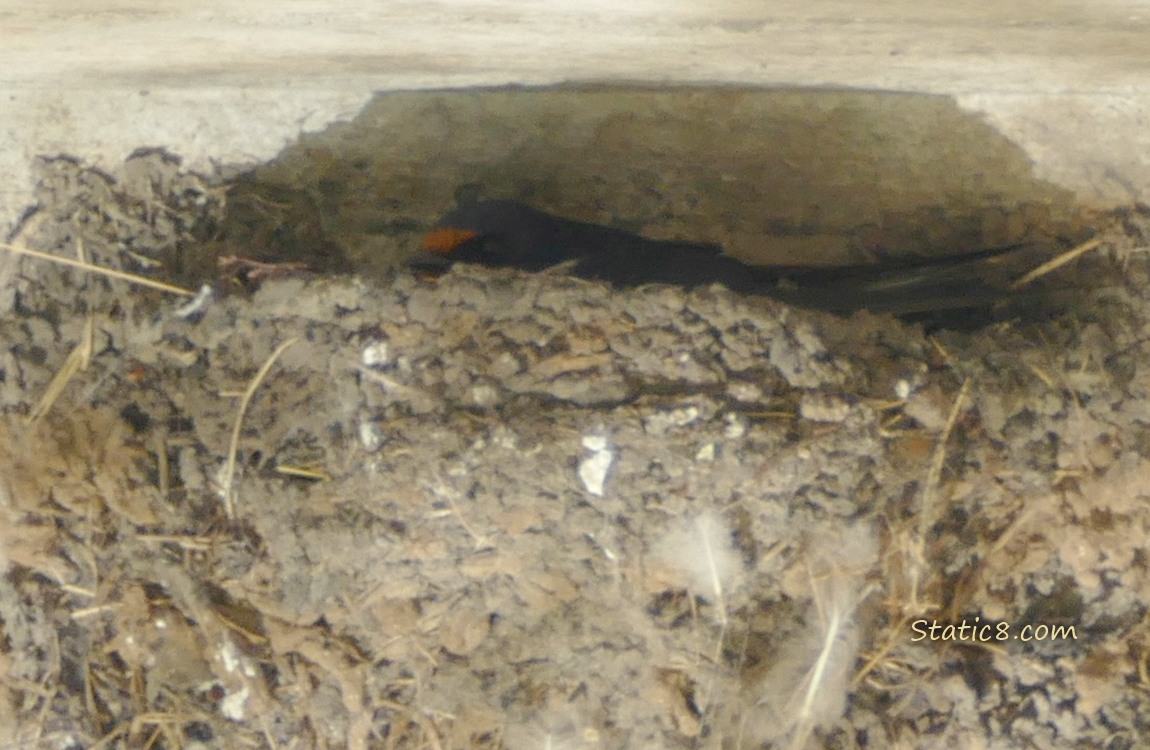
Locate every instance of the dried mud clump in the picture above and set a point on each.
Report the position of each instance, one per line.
(510, 510)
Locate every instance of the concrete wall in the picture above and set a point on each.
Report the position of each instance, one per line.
(1067, 82)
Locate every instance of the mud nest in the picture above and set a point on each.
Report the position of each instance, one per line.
(513, 510)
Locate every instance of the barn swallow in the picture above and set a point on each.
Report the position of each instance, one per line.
(504, 233)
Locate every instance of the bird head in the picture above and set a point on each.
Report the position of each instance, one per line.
(504, 233)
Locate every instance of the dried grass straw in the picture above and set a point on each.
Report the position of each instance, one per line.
(1056, 262)
(245, 401)
(100, 270)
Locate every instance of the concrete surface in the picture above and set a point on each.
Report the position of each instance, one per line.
(216, 81)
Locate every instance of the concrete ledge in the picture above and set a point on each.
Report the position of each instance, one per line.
(1066, 83)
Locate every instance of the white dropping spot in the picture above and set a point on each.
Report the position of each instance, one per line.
(686, 416)
(484, 395)
(706, 452)
(505, 438)
(595, 442)
(233, 705)
(377, 354)
(229, 657)
(197, 304)
(221, 481)
(234, 661)
(736, 426)
(607, 551)
(818, 407)
(370, 437)
(659, 422)
(160, 623)
(593, 469)
(902, 389)
(746, 392)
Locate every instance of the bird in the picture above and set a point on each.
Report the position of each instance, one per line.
(512, 234)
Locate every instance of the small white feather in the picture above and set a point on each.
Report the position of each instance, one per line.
(702, 551)
(808, 688)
